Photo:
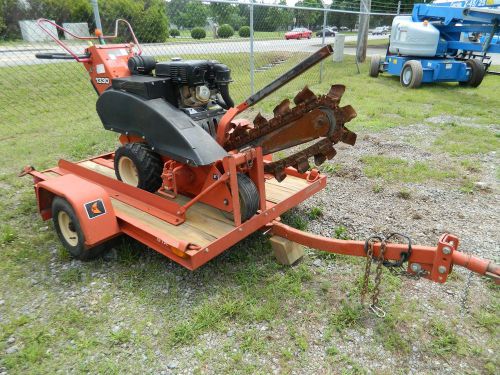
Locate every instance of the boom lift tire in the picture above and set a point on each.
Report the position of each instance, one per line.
(70, 232)
(249, 197)
(477, 73)
(412, 74)
(137, 165)
(375, 66)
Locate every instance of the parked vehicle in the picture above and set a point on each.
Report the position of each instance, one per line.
(344, 28)
(299, 33)
(328, 32)
(381, 30)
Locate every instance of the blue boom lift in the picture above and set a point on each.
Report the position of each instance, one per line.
(446, 41)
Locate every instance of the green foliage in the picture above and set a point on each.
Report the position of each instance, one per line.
(294, 219)
(174, 33)
(308, 18)
(272, 19)
(194, 15)
(315, 213)
(147, 17)
(340, 233)
(244, 32)
(198, 33)
(61, 10)
(225, 31)
(445, 340)
(347, 315)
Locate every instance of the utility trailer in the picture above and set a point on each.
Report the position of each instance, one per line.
(442, 42)
(190, 180)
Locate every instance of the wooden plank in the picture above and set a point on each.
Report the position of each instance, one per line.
(183, 232)
(98, 168)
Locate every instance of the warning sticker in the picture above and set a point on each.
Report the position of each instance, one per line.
(95, 208)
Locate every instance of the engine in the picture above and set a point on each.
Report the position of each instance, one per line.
(199, 88)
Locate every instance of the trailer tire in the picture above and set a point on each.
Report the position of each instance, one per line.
(70, 232)
(375, 66)
(249, 197)
(137, 165)
(412, 74)
(477, 73)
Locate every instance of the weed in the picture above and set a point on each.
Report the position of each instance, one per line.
(332, 351)
(331, 168)
(473, 166)
(294, 219)
(315, 213)
(340, 232)
(404, 194)
(71, 275)
(7, 235)
(468, 186)
(377, 188)
(444, 340)
(121, 336)
(347, 315)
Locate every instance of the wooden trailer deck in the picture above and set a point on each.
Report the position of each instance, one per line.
(204, 224)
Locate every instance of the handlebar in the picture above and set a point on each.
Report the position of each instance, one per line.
(59, 56)
(72, 55)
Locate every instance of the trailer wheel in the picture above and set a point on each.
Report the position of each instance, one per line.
(375, 66)
(412, 74)
(70, 232)
(477, 73)
(137, 165)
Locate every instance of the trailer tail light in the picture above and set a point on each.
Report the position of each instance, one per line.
(178, 252)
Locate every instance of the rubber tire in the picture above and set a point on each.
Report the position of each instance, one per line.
(249, 197)
(79, 251)
(147, 162)
(477, 73)
(375, 66)
(417, 74)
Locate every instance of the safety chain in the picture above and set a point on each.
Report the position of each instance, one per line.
(377, 310)
(395, 267)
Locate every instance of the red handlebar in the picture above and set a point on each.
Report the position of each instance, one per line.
(40, 22)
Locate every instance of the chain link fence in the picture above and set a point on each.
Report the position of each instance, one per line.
(258, 41)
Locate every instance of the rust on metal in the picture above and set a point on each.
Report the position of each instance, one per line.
(313, 117)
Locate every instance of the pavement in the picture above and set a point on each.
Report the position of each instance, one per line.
(24, 54)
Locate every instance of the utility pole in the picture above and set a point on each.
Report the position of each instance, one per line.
(364, 24)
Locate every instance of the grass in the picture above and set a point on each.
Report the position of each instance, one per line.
(62, 313)
(396, 169)
(466, 140)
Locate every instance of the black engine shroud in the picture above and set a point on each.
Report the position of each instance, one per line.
(150, 106)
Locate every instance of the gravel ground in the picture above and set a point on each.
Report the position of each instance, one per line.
(430, 209)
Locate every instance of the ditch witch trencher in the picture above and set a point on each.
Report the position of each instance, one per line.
(190, 180)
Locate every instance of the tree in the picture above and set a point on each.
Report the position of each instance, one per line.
(194, 15)
(308, 18)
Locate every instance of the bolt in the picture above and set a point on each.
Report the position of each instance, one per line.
(226, 202)
(415, 267)
(442, 269)
(206, 250)
(446, 250)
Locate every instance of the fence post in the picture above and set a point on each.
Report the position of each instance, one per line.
(252, 68)
(322, 43)
(399, 7)
(97, 17)
(364, 24)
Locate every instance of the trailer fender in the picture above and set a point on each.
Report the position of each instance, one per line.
(91, 203)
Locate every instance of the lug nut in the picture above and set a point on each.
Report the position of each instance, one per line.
(446, 250)
(442, 269)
